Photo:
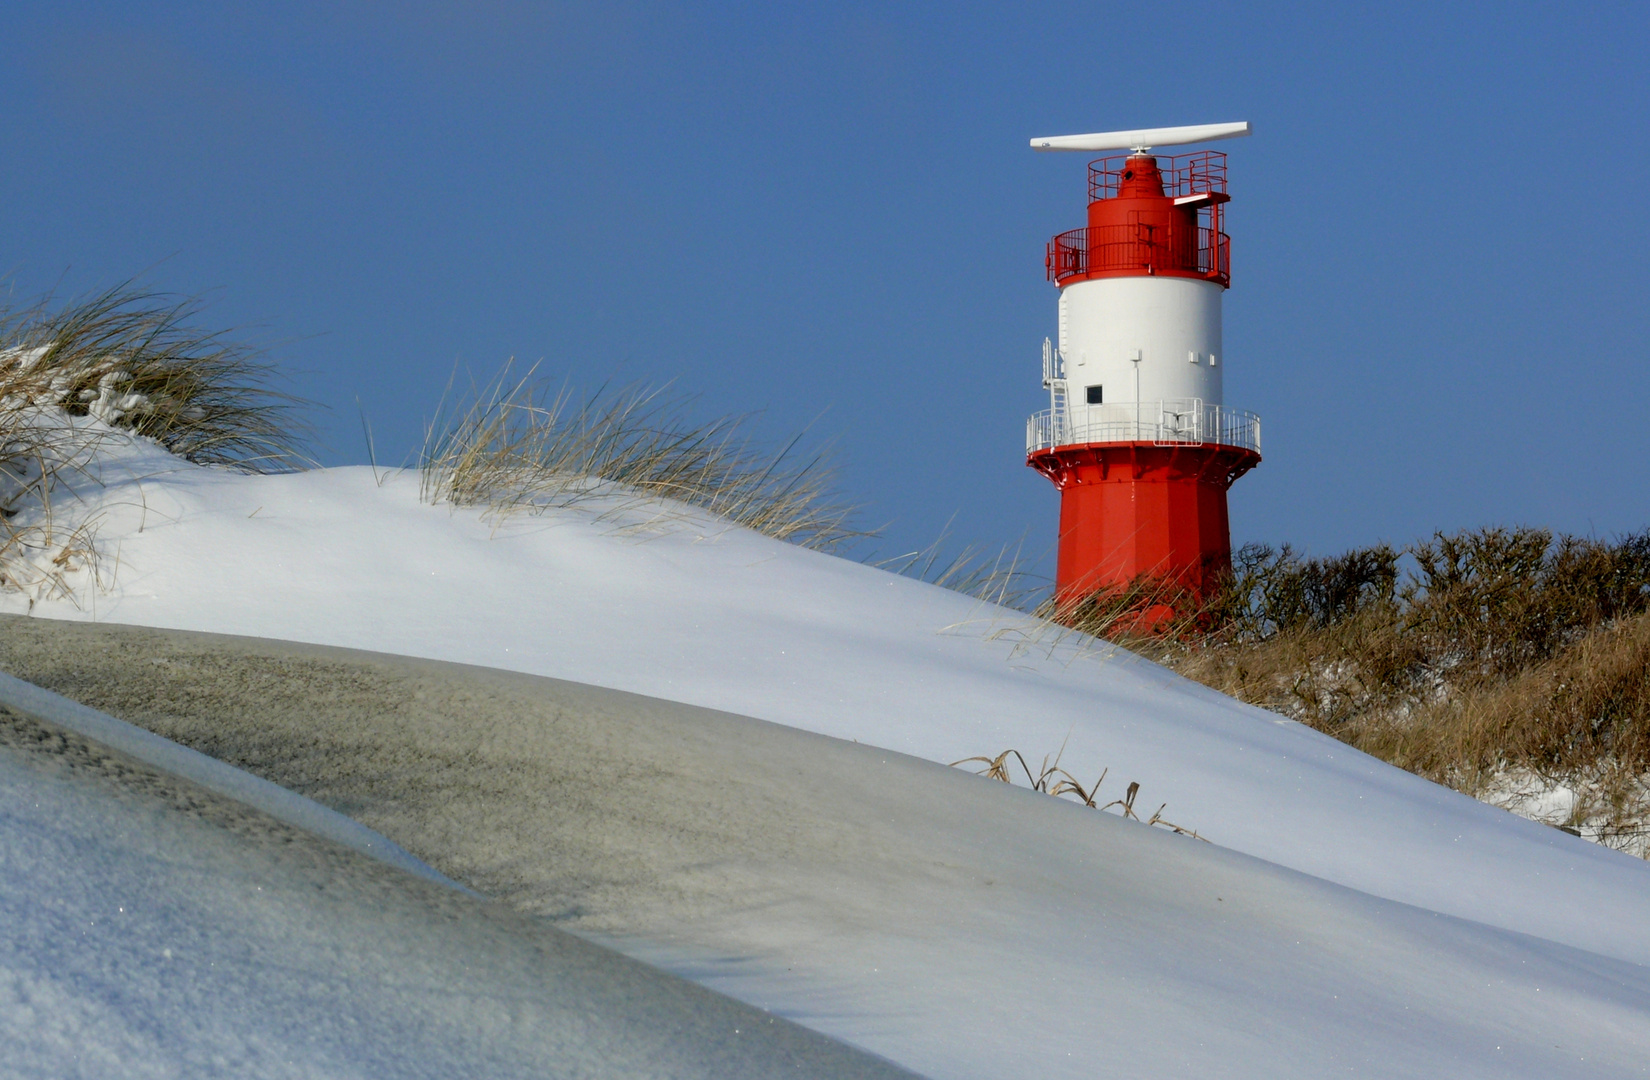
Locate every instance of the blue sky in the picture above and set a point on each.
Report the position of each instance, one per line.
(829, 213)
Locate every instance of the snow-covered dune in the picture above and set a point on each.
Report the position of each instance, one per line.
(952, 924)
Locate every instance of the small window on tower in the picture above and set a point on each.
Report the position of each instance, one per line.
(1094, 395)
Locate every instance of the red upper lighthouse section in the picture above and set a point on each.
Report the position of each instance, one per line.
(1149, 216)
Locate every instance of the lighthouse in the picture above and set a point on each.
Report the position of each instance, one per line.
(1137, 436)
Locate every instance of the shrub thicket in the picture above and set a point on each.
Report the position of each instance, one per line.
(1467, 657)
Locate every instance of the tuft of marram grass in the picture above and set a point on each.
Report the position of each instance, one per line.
(137, 361)
(513, 445)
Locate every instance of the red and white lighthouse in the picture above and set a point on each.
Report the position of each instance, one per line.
(1137, 436)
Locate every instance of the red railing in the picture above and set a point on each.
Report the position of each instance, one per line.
(1081, 252)
(1183, 174)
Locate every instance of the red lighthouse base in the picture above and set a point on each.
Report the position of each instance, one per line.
(1133, 510)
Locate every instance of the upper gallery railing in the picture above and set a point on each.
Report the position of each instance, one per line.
(1184, 422)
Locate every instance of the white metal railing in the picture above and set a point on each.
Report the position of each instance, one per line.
(1185, 422)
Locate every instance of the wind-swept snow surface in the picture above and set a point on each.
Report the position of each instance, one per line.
(150, 928)
(683, 609)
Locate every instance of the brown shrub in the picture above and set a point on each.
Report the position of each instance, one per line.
(1492, 652)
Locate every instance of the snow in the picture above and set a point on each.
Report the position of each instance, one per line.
(1579, 805)
(1436, 918)
(151, 929)
(111, 403)
(213, 775)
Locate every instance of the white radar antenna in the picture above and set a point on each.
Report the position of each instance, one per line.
(1143, 139)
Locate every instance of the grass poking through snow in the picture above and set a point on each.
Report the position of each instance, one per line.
(515, 446)
(75, 376)
(137, 361)
(1052, 780)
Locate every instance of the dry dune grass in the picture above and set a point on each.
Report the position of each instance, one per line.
(996, 577)
(513, 445)
(38, 554)
(137, 360)
(122, 360)
(1051, 779)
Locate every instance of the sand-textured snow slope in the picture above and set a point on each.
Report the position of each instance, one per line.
(724, 618)
(953, 924)
(152, 928)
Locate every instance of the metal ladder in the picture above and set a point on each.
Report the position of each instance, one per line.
(1054, 380)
